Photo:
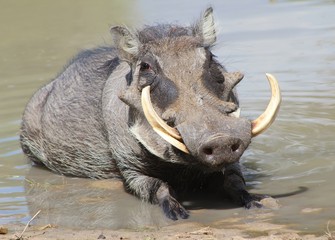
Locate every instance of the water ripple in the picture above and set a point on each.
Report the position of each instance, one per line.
(9, 139)
(11, 153)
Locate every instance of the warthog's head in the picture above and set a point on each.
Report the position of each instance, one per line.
(181, 91)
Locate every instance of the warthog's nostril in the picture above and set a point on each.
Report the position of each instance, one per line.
(220, 150)
(208, 151)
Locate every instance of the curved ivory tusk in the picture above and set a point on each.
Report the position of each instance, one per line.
(181, 146)
(264, 121)
(168, 133)
(235, 114)
(153, 117)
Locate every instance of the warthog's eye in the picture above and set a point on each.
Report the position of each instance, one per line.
(144, 66)
(220, 80)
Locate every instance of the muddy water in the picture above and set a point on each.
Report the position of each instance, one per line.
(294, 40)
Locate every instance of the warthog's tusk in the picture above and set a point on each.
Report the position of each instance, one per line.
(264, 121)
(153, 117)
(169, 134)
(235, 114)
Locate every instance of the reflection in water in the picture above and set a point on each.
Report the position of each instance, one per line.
(99, 203)
(294, 40)
(87, 203)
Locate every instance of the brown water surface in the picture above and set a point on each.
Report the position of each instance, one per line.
(294, 40)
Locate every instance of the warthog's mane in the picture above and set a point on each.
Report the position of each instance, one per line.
(161, 31)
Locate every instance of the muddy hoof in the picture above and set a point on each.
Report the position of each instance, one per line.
(261, 201)
(270, 203)
(173, 209)
(252, 200)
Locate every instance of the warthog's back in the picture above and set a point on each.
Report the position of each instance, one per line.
(63, 126)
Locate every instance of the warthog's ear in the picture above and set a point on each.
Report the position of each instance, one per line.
(126, 42)
(205, 28)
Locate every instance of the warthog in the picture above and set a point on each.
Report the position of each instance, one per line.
(157, 110)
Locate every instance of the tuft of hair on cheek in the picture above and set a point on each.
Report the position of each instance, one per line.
(149, 142)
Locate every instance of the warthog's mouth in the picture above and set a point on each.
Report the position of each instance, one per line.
(172, 135)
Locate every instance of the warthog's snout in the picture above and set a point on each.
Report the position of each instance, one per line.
(221, 150)
(214, 144)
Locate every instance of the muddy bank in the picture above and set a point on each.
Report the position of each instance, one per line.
(256, 225)
(261, 230)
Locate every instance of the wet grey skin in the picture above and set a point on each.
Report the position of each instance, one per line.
(89, 120)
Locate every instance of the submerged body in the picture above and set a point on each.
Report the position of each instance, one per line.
(89, 121)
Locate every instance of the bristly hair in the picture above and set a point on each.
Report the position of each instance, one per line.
(160, 31)
(204, 29)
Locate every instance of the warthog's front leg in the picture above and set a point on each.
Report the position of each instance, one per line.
(155, 191)
(234, 186)
(171, 207)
